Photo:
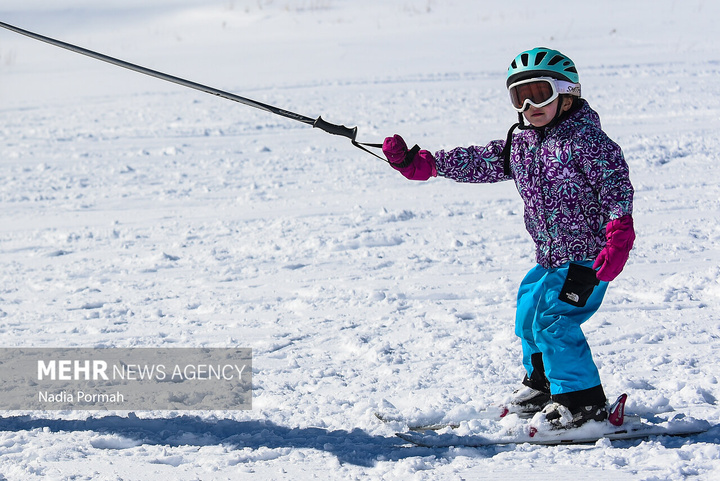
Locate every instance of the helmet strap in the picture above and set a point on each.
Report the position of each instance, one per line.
(560, 114)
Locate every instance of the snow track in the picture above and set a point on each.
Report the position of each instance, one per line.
(135, 213)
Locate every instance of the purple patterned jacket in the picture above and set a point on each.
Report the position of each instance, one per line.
(573, 180)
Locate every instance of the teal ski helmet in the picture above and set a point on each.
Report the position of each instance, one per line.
(542, 62)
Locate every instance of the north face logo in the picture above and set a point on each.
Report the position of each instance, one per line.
(572, 296)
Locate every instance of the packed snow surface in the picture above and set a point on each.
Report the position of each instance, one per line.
(138, 213)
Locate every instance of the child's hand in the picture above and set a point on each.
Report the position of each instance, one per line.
(414, 164)
(620, 237)
(395, 149)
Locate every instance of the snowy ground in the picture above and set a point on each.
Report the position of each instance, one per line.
(137, 213)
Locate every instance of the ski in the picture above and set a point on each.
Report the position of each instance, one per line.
(618, 426)
(414, 426)
(494, 413)
(589, 433)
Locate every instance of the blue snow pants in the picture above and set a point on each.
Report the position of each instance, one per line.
(547, 325)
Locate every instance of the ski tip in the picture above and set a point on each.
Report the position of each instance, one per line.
(616, 415)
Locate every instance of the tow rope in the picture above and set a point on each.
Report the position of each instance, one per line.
(320, 123)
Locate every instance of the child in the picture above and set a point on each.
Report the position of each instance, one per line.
(575, 186)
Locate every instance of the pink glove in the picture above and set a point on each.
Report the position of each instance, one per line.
(415, 164)
(620, 237)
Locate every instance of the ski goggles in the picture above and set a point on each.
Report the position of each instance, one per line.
(539, 92)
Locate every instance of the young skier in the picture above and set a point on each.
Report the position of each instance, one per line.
(575, 185)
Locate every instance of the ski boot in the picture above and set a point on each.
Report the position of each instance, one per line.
(558, 416)
(528, 401)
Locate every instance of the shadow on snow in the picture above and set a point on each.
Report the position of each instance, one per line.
(354, 447)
